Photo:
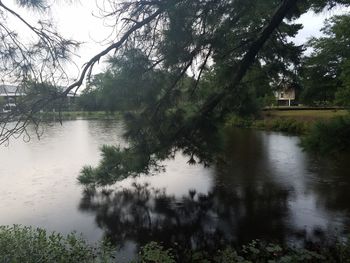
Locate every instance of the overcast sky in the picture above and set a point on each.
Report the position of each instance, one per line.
(78, 20)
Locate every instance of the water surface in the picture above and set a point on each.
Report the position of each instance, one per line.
(265, 187)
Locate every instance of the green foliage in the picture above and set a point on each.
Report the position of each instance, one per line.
(255, 252)
(286, 125)
(128, 84)
(73, 115)
(31, 50)
(325, 72)
(89, 100)
(29, 245)
(329, 138)
(175, 110)
(116, 165)
(239, 122)
(343, 93)
(154, 253)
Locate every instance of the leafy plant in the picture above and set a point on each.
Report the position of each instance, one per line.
(35, 245)
(287, 125)
(29, 245)
(329, 137)
(155, 253)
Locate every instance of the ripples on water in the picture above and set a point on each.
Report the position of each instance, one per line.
(266, 188)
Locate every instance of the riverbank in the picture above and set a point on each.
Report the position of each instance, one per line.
(30, 245)
(304, 114)
(291, 121)
(88, 115)
(298, 122)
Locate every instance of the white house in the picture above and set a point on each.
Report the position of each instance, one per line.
(286, 96)
(10, 93)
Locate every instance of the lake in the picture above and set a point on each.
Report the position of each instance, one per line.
(265, 187)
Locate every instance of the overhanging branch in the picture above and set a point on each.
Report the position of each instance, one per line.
(90, 64)
(250, 56)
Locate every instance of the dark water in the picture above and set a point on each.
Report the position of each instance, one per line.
(265, 187)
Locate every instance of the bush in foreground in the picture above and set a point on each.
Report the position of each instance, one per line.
(29, 245)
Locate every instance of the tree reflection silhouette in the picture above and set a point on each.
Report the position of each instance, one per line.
(242, 205)
(142, 214)
(331, 189)
(249, 199)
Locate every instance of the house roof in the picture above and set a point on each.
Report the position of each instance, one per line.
(12, 90)
(9, 90)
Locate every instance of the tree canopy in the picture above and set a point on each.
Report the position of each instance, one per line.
(223, 47)
(213, 54)
(128, 84)
(37, 54)
(30, 53)
(325, 71)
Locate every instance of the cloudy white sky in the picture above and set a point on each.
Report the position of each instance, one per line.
(79, 20)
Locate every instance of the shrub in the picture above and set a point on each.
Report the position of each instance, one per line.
(287, 125)
(329, 138)
(30, 245)
(281, 125)
(256, 251)
(35, 245)
(239, 122)
(154, 253)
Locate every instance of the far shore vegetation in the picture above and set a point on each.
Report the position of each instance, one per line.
(87, 115)
(304, 115)
(325, 132)
(297, 122)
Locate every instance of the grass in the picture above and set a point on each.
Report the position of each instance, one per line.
(298, 122)
(287, 125)
(304, 115)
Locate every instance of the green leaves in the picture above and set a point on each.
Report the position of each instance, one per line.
(34, 4)
(342, 95)
(325, 78)
(116, 164)
(329, 138)
(215, 58)
(130, 83)
(35, 245)
(153, 252)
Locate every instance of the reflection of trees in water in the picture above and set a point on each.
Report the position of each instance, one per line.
(247, 201)
(331, 187)
(244, 176)
(246, 165)
(142, 214)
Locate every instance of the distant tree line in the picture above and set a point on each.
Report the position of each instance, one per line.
(325, 73)
(320, 78)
